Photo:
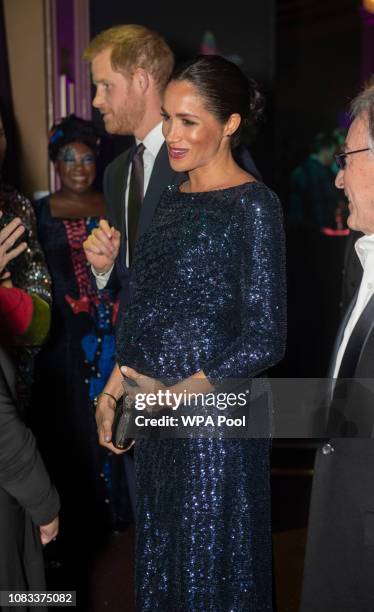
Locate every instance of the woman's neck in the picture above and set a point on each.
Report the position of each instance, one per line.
(65, 203)
(218, 174)
(73, 196)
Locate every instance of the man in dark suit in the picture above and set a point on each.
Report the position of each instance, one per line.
(339, 565)
(29, 504)
(130, 68)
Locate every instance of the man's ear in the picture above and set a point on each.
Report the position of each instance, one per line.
(142, 80)
(232, 124)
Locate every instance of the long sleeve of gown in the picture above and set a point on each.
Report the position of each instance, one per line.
(258, 227)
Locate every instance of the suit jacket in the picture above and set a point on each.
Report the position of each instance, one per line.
(114, 184)
(27, 498)
(339, 564)
(115, 181)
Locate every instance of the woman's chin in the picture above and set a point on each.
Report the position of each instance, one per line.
(79, 189)
(179, 165)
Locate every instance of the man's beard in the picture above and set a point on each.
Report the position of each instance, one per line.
(127, 122)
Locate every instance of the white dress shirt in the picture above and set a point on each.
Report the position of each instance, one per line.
(365, 251)
(152, 143)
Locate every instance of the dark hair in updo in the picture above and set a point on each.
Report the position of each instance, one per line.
(72, 129)
(225, 89)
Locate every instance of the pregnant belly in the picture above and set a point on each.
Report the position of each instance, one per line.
(177, 349)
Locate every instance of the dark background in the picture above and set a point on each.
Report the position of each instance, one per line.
(318, 72)
(242, 29)
(306, 54)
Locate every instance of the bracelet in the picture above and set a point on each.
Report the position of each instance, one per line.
(96, 400)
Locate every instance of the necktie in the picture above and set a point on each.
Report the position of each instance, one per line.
(136, 195)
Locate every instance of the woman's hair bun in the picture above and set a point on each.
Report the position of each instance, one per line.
(225, 89)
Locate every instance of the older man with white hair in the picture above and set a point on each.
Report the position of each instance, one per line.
(339, 565)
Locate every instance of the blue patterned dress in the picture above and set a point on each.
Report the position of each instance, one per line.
(72, 368)
(208, 293)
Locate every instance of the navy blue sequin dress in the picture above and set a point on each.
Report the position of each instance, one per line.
(208, 293)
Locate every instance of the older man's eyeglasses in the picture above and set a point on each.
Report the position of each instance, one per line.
(341, 160)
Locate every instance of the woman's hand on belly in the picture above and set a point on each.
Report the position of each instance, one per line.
(147, 393)
(150, 394)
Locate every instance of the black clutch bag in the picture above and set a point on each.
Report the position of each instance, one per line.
(121, 424)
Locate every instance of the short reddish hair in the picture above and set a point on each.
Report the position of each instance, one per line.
(134, 46)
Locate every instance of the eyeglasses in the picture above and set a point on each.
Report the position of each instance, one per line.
(341, 161)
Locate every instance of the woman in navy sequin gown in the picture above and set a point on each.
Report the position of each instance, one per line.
(208, 305)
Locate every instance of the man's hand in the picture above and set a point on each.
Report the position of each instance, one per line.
(102, 246)
(104, 420)
(8, 236)
(49, 532)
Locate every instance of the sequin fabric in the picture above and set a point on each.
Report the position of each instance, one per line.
(207, 293)
(28, 272)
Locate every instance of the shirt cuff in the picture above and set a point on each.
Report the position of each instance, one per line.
(101, 277)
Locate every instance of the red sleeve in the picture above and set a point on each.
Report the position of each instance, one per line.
(16, 309)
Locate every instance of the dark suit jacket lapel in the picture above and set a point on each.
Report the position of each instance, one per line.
(118, 182)
(8, 370)
(162, 175)
(340, 334)
(122, 192)
(338, 341)
(356, 344)
(357, 341)
(351, 408)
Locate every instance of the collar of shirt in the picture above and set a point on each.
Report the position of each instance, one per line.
(153, 141)
(365, 248)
